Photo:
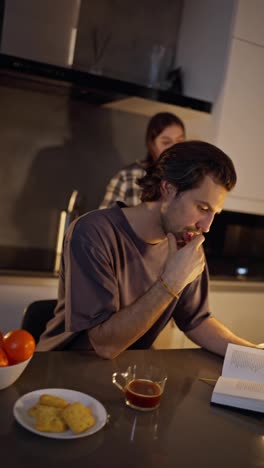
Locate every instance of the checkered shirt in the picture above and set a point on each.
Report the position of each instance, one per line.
(123, 187)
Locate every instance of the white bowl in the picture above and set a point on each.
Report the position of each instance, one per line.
(9, 374)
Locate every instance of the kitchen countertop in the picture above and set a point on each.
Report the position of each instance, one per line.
(50, 278)
(31, 278)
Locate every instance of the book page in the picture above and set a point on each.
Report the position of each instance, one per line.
(245, 363)
(244, 394)
(240, 388)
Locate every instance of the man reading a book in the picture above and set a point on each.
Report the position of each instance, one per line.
(126, 271)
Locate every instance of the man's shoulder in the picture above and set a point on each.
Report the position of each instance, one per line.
(96, 221)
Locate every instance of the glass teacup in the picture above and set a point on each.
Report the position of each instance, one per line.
(143, 386)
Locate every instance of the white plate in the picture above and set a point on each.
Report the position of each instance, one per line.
(26, 401)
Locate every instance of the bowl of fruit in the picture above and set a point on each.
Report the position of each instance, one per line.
(16, 350)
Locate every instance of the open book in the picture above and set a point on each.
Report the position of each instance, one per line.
(242, 382)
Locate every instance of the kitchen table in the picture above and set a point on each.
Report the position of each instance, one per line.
(185, 431)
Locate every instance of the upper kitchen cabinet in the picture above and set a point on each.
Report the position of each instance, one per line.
(181, 47)
(129, 41)
(42, 30)
(241, 110)
(173, 53)
(203, 46)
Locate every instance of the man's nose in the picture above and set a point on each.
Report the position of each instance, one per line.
(205, 223)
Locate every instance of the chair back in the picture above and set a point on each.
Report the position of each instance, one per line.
(36, 315)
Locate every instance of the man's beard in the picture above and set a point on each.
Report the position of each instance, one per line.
(182, 237)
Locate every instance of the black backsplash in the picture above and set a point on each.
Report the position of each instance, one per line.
(234, 250)
(19, 259)
(234, 246)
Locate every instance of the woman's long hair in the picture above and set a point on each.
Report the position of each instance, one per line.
(156, 125)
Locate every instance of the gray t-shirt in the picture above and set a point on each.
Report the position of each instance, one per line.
(106, 267)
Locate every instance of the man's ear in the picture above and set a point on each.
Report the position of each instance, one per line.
(167, 190)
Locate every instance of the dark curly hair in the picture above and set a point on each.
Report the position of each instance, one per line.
(185, 165)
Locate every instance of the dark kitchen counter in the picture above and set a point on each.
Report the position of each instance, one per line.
(218, 284)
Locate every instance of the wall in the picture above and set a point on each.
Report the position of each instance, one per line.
(51, 145)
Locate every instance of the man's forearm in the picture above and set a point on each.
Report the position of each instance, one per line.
(214, 336)
(128, 324)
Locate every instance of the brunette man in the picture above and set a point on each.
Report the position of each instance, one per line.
(127, 270)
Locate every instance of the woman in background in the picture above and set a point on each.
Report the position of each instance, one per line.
(164, 130)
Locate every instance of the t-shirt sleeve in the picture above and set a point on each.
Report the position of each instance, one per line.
(192, 307)
(91, 293)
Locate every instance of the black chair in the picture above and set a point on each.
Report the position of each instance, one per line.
(36, 315)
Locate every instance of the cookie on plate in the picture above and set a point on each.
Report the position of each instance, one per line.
(52, 400)
(48, 419)
(78, 417)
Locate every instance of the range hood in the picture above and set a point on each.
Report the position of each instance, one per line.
(108, 54)
(95, 89)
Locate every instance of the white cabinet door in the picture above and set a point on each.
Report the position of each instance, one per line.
(16, 294)
(249, 21)
(242, 312)
(170, 338)
(240, 309)
(240, 130)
